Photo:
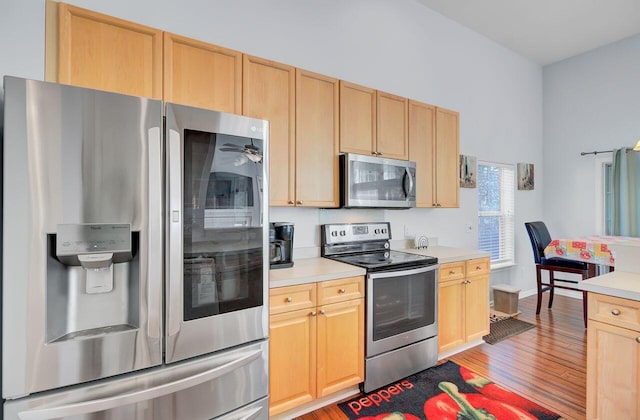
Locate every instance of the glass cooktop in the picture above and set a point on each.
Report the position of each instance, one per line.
(386, 260)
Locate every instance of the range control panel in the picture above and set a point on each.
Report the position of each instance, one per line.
(356, 232)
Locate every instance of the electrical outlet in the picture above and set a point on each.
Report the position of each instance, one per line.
(408, 232)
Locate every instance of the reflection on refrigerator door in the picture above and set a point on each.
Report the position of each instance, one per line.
(85, 334)
(215, 262)
(82, 234)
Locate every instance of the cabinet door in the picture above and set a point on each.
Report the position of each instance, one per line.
(102, 52)
(357, 119)
(340, 346)
(476, 307)
(447, 158)
(202, 75)
(317, 145)
(613, 372)
(450, 314)
(422, 131)
(292, 359)
(268, 92)
(391, 130)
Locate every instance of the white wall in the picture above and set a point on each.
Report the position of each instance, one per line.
(591, 102)
(394, 45)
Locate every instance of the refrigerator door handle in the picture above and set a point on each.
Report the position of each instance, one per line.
(154, 268)
(144, 394)
(174, 260)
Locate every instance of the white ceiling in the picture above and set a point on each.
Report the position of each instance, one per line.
(545, 31)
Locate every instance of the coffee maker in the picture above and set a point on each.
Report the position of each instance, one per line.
(280, 245)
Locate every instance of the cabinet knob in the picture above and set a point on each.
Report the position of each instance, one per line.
(313, 313)
(341, 291)
(637, 339)
(321, 311)
(615, 312)
(374, 153)
(289, 300)
(478, 268)
(299, 202)
(291, 202)
(379, 154)
(452, 272)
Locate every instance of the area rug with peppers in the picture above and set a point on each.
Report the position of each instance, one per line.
(445, 392)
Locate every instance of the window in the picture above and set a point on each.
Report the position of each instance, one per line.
(604, 195)
(496, 204)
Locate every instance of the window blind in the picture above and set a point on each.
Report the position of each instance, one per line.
(496, 209)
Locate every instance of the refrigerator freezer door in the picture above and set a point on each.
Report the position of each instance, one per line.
(74, 156)
(206, 388)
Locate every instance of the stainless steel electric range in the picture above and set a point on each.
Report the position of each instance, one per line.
(401, 297)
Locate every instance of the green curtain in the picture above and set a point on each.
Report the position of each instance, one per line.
(626, 197)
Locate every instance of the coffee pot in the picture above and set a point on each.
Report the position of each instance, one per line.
(280, 245)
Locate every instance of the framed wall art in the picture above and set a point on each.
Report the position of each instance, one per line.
(468, 170)
(525, 176)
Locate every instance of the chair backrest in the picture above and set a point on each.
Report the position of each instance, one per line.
(540, 238)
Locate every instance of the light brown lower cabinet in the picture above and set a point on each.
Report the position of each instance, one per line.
(463, 302)
(316, 341)
(613, 358)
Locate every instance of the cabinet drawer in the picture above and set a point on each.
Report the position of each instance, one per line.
(478, 267)
(340, 290)
(452, 271)
(615, 311)
(291, 298)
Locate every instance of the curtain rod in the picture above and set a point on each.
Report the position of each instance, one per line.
(595, 152)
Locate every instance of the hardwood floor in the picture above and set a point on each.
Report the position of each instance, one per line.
(546, 364)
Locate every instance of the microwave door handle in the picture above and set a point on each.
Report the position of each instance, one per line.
(407, 175)
(174, 243)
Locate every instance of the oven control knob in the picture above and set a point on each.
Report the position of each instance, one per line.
(386, 245)
(334, 233)
(384, 231)
(386, 255)
(376, 231)
(343, 233)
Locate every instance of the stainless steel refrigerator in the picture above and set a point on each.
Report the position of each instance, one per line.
(134, 271)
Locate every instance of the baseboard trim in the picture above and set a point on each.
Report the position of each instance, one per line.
(461, 348)
(564, 292)
(317, 403)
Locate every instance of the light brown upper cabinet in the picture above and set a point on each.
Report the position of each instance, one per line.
(434, 145)
(422, 133)
(268, 92)
(447, 158)
(202, 75)
(357, 119)
(102, 52)
(316, 160)
(392, 132)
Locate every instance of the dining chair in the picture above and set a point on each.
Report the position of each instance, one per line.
(540, 238)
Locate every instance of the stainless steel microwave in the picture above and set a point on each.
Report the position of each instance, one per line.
(372, 181)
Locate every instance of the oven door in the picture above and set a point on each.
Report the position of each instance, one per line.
(402, 308)
(216, 265)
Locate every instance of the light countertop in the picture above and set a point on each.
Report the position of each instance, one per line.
(310, 270)
(447, 254)
(622, 284)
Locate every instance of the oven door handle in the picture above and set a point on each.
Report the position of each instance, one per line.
(402, 272)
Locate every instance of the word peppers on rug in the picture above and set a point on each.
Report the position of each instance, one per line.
(445, 392)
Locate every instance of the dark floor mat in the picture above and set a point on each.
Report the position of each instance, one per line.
(506, 328)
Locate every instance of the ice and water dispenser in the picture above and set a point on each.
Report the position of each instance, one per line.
(92, 280)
